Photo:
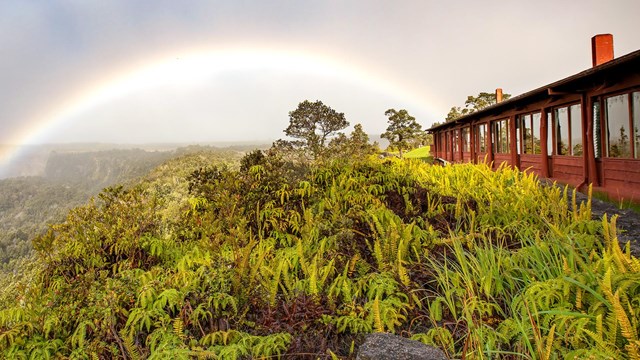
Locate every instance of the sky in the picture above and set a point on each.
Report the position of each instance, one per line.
(130, 72)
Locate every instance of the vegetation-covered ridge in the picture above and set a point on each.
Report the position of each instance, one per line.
(272, 258)
(29, 204)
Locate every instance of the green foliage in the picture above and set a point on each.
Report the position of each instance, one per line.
(473, 104)
(403, 131)
(313, 124)
(356, 146)
(262, 258)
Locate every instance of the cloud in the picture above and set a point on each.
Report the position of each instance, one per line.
(443, 51)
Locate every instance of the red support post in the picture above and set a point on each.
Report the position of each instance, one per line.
(544, 133)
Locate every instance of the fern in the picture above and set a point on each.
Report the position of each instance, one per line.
(549, 341)
(131, 348)
(178, 329)
(627, 329)
(377, 317)
(402, 272)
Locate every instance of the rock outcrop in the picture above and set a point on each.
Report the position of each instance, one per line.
(382, 346)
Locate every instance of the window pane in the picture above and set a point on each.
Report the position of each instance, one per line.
(500, 136)
(495, 136)
(482, 136)
(504, 134)
(465, 139)
(617, 115)
(576, 130)
(447, 145)
(456, 141)
(535, 129)
(524, 132)
(562, 131)
(636, 123)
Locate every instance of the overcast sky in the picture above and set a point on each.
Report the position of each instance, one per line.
(125, 71)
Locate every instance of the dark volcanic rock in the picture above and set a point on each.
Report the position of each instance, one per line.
(382, 346)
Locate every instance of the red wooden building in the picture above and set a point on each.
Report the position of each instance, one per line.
(584, 129)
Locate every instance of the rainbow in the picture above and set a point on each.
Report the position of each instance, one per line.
(194, 65)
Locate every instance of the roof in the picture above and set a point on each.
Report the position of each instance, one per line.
(594, 71)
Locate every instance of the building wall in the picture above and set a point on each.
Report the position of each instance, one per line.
(592, 127)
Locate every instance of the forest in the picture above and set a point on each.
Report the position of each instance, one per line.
(28, 204)
(301, 250)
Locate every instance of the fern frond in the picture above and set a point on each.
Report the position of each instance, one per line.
(352, 264)
(178, 329)
(633, 349)
(130, 347)
(549, 347)
(599, 328)
(603, 345)
(301, 259)
(377, 251)
(402, 272)
(626, 328)
(377, 317)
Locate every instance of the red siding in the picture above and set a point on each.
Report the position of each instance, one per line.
(568, 169)
(501, 158)
(622, 176)
(481, 157)
(531, 163)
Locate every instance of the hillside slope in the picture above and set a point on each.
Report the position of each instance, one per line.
(271, 258)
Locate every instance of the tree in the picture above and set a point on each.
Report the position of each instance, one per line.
(473, 104)
(356, 146)
(313, 124)
(403, 131)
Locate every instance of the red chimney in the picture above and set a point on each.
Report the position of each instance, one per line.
(601, 48)
(498, 95)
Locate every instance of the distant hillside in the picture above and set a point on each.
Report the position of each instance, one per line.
(32, 159)
(29, 203)
(96, 170)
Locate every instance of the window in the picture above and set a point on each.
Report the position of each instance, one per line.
(568, 130)
(456, 142)
(535, 127)
(529, 125)
(575, 129)
(481, 140)
(617, 115)
(519, 126)
(500, 136)
(447, 143)
(561, 122)
(465, 139)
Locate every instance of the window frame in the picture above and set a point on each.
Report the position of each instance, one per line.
(500, 144)
(634, 152)
(554, 126)
(522, 141)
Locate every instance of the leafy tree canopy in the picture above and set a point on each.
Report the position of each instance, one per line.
(313, 124)
(403, 131)
(355, 146)
(473, 104)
